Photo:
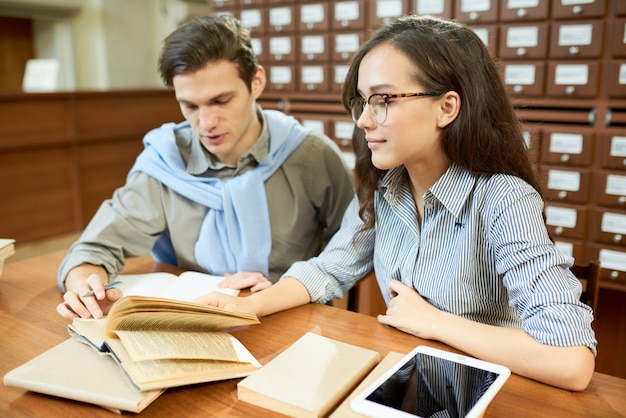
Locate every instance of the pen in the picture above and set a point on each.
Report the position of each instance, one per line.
(106, 286)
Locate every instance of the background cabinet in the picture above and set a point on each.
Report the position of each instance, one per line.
(564, 64)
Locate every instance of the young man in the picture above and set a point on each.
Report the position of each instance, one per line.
(234, 190)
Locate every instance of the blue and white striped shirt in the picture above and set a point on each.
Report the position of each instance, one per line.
(482, 253)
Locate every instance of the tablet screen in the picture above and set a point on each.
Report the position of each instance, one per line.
(429, 386)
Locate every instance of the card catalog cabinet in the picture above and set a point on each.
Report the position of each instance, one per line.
(564, 65)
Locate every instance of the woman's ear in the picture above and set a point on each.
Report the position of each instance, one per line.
(450, 105)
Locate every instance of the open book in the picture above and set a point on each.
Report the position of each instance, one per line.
(162, 343)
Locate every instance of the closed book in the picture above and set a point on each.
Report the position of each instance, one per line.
(309, 378)
(73, 370)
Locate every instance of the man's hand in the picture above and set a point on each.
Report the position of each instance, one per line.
(243, 280)
(77, 303)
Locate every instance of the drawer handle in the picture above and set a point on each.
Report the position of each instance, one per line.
(521, 12)
(617, 238)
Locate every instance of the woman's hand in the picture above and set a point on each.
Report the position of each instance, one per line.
(410, 312)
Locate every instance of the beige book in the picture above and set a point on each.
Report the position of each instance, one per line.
(344, 410)
(162, 343)
(309, 378)
(73, 370)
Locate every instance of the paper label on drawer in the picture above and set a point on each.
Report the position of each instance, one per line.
(618, 146)
(312, 13)
(613, 260)
(257, 46)
(280, 16)
(575, 35)
(566, 248)
(475, 6)
(615, 185)
(347, 10)
(564, 180)
(566, 143)
(280, 45)
(313, 74)
(483, 34)
(346, 42)
(565, 217)
(571, 74)
(621, 78)
(527, 36)
(312, 44)
(519, 4)
(314, 124)
(575, 2)
(519, 74)
(613, 223)
(340, 73)
(430, 7)
(280, 75)
(250, 18)
(388, 8)
(343, 130)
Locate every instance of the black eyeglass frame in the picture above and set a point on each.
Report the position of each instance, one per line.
(386, 99)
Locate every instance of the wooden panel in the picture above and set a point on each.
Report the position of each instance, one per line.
(102, 168)
(37, 190)
(119, 114)
(16, 48)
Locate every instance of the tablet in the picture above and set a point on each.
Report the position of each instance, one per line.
(430, 382)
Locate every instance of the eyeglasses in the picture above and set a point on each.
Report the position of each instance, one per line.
(378, 105)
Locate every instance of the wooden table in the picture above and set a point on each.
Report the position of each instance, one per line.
(29, 325)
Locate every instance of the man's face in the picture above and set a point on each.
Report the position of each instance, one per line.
(221, 108)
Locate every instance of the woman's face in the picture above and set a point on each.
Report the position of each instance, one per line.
(410, 135)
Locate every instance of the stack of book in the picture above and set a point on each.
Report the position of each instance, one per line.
(7, 249)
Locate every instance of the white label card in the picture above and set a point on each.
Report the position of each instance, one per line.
(571, 74)
(312, 13)
(564, 180)
(430, 7)
(615, 185)
(347, 10)
(340, 73)
(313, 44)
(527, 37)
(250, 18)
(613, 223)
(613, 260)
(566, 248)
(313, 74)
(618, 146)
(566, 143)
(280, 45)
(521, 4)
(280, 75)
(343, 130)
(346, 42)
(557, 216)
(468, 6)
(388, 8)
(621, 78)
(280, 16)
(575, 35)
(519, 74)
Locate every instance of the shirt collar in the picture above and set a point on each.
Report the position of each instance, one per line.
(452, 189)
(199, 160)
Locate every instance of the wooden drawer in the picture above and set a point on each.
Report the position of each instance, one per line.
(441, 8)
(314, 78)
(475, 12)
(613, 262)
(608, 226)
(314, 17)
(618, 37)
(281, 78)
(610, 188)
(566, 185)
(568, 146)
(616, 79)
(344, 45)
(282, 49)
(578, 9)
(528, 10)
(383, 11)
(527, 41)
(577, 39)
(572, 248)
(611, 150)
(282, 19)
(566, 221)
(349, 15)
(254, 20)
(524, 78)
(314, 48)
(573, 79)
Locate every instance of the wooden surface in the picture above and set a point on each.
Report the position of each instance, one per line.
(29, 326)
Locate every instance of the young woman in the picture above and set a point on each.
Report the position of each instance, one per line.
(449, 212)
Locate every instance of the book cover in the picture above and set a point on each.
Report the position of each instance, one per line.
(72, 370)
(309, 378)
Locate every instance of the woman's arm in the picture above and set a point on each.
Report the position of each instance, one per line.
(569, 368)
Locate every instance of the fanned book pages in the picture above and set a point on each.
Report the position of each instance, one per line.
(71, 370)
(7, 249)
(162, 343)
(309, 378)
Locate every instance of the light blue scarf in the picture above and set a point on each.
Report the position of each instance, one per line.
(235, 234)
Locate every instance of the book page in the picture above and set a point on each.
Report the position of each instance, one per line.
(89, 331)
(152, 345)
(186, 287)
(161, 374)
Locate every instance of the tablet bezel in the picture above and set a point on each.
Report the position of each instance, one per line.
(368, 408)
